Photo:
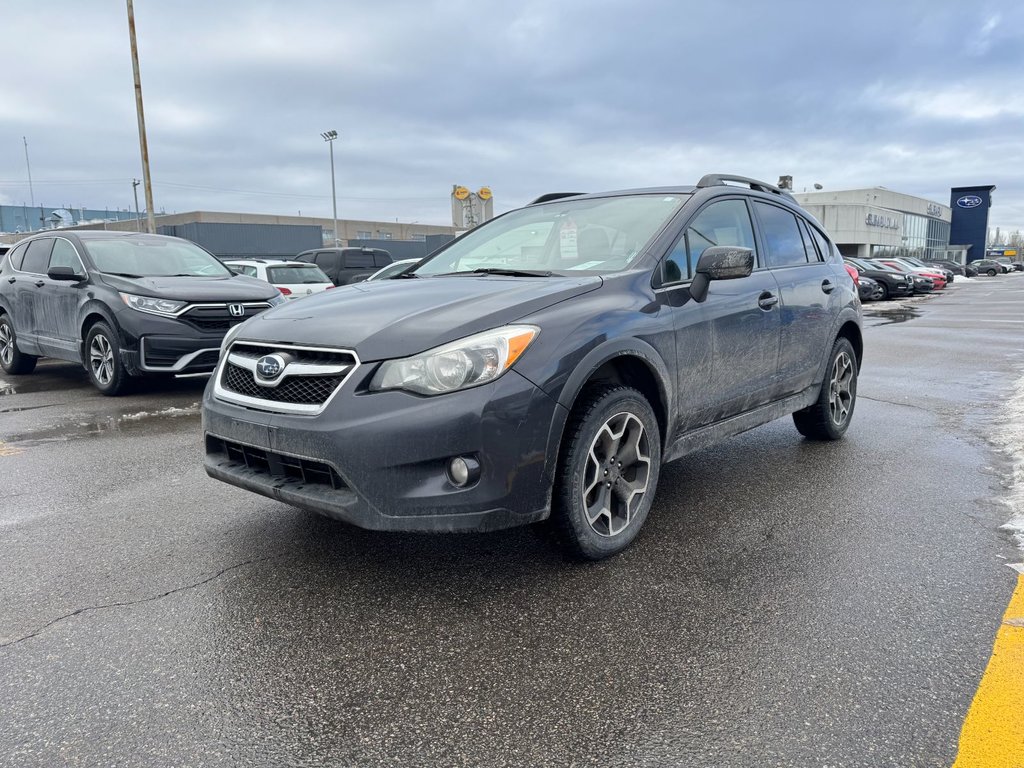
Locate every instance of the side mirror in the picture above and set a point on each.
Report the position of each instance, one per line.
(64, 273)
(720, 262)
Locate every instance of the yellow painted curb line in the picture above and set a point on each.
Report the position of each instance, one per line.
(993, 732)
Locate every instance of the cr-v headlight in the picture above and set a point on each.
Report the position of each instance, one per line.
(466, 363)
(165, 307)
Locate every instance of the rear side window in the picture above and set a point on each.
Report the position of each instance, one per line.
(65, 255)
(781, 234)
(328, 261)
(723, 223)
(809, 246)
(381, 259)
(245, 269)
(358, 260)
(16, 255)
(37, 256)
(824, 247)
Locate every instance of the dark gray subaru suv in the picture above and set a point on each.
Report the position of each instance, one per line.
(545, 364)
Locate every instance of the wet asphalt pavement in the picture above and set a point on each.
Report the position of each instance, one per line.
(788, 603)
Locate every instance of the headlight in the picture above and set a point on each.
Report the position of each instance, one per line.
(462, 364)
(165, 307)
(279, 299)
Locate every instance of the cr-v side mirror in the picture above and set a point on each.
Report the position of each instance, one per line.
(64, 273)
(720, 262)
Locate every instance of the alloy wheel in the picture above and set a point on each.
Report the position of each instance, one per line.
(617, 474)
(101, 359)
(840, 399)
(6, 344)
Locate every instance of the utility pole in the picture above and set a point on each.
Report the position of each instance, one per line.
(143, 146)
(28, 165)
(329, 137)
(135, 191)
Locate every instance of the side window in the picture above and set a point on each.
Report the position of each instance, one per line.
(328, 261)
(809, 247)
(15, 256)
(381, 259)
(246, 269)
(782, 237)
(824, 247)
(37, 256)
(358, 260)
(65, 255)
(723, 223)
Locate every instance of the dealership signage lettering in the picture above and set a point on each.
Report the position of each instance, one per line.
(934, 209)
(878, 220)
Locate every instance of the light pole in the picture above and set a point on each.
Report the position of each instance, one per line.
(329, 137)
(143, 145)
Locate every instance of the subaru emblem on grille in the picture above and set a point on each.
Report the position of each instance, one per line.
(269, 366)
(236, 310)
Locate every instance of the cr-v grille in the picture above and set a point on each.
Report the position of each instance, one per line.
(305, 378)
(213, 318)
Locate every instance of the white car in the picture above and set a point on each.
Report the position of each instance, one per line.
(294, 279)
(392, 269)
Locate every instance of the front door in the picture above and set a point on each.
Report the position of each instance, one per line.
(58, 300)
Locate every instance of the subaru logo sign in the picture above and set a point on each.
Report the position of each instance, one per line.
(269, 366)
(969, 201)
(236, 310)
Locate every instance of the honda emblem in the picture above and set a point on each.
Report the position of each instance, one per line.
(236, 310)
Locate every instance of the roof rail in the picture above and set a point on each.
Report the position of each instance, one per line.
(554, 196)
(719, 179)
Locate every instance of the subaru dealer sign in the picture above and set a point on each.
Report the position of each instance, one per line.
(970, 218)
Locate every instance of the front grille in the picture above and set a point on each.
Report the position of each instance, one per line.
(315, 356)
(298, 390)
(276, 465)
(216, 318)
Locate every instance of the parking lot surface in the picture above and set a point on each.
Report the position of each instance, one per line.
(788, 603)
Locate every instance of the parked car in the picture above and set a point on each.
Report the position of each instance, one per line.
(294, 279)
(891, 282)
(347, 265)
(869, 290)
(546, 363)
(935, 280)
(966, 270)
(1006, 262)
(123, 304)
(989, 267)
(393, 269)
(948, 275)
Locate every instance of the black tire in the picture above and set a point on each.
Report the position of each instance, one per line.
(103, 360)
(991, 272)
(830, 415)
(884, 293)
(612, 446)
(11, 360)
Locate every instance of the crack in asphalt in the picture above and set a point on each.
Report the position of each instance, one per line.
(129, 603)
(907, 405)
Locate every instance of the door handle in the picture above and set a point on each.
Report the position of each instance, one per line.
(12, 279)
(767, 300)
(827, 286)
(40, 283)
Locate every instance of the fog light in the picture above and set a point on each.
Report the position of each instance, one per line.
(463, 470)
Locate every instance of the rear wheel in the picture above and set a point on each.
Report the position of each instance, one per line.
(830, 415)
(991, 272)
(607, 472)
(11, 360)
(883, 293)
(103, 360)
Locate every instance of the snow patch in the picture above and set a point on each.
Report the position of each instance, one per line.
(1009, 440)
(172, 411)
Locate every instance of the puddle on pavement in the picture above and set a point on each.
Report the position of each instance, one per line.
(889, 317)
(142, 422)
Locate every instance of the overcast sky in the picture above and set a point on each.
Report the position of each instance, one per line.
(526, 97)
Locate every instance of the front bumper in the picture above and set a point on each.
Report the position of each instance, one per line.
(377, 460)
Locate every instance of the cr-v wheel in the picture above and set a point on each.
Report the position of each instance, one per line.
(103, 360)
(11, 360)
(607, 472)
(830, 415)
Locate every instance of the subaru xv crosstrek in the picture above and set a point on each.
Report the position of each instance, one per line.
(544, 365)
(123, 304)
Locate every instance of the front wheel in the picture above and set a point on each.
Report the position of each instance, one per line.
(12, 360)
(883, 292)
(830, 415)
(607, 472)
(103, 360)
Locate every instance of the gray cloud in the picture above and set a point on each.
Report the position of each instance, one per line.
(526, 97)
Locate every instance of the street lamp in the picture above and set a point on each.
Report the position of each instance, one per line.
(329, 137)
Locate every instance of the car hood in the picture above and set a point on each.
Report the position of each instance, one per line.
(195, 289)
(396, 318)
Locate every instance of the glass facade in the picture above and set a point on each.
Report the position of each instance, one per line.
(923, 238)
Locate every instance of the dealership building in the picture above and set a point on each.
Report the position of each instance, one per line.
(880, 222)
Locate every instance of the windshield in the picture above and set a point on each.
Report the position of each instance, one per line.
(593, 236)
(153, 257)
(296, 274)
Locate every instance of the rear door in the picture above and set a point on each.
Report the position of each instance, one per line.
(808, 289)
(29, 317)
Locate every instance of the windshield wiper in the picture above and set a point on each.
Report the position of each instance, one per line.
(403, 276)
(504, 271)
